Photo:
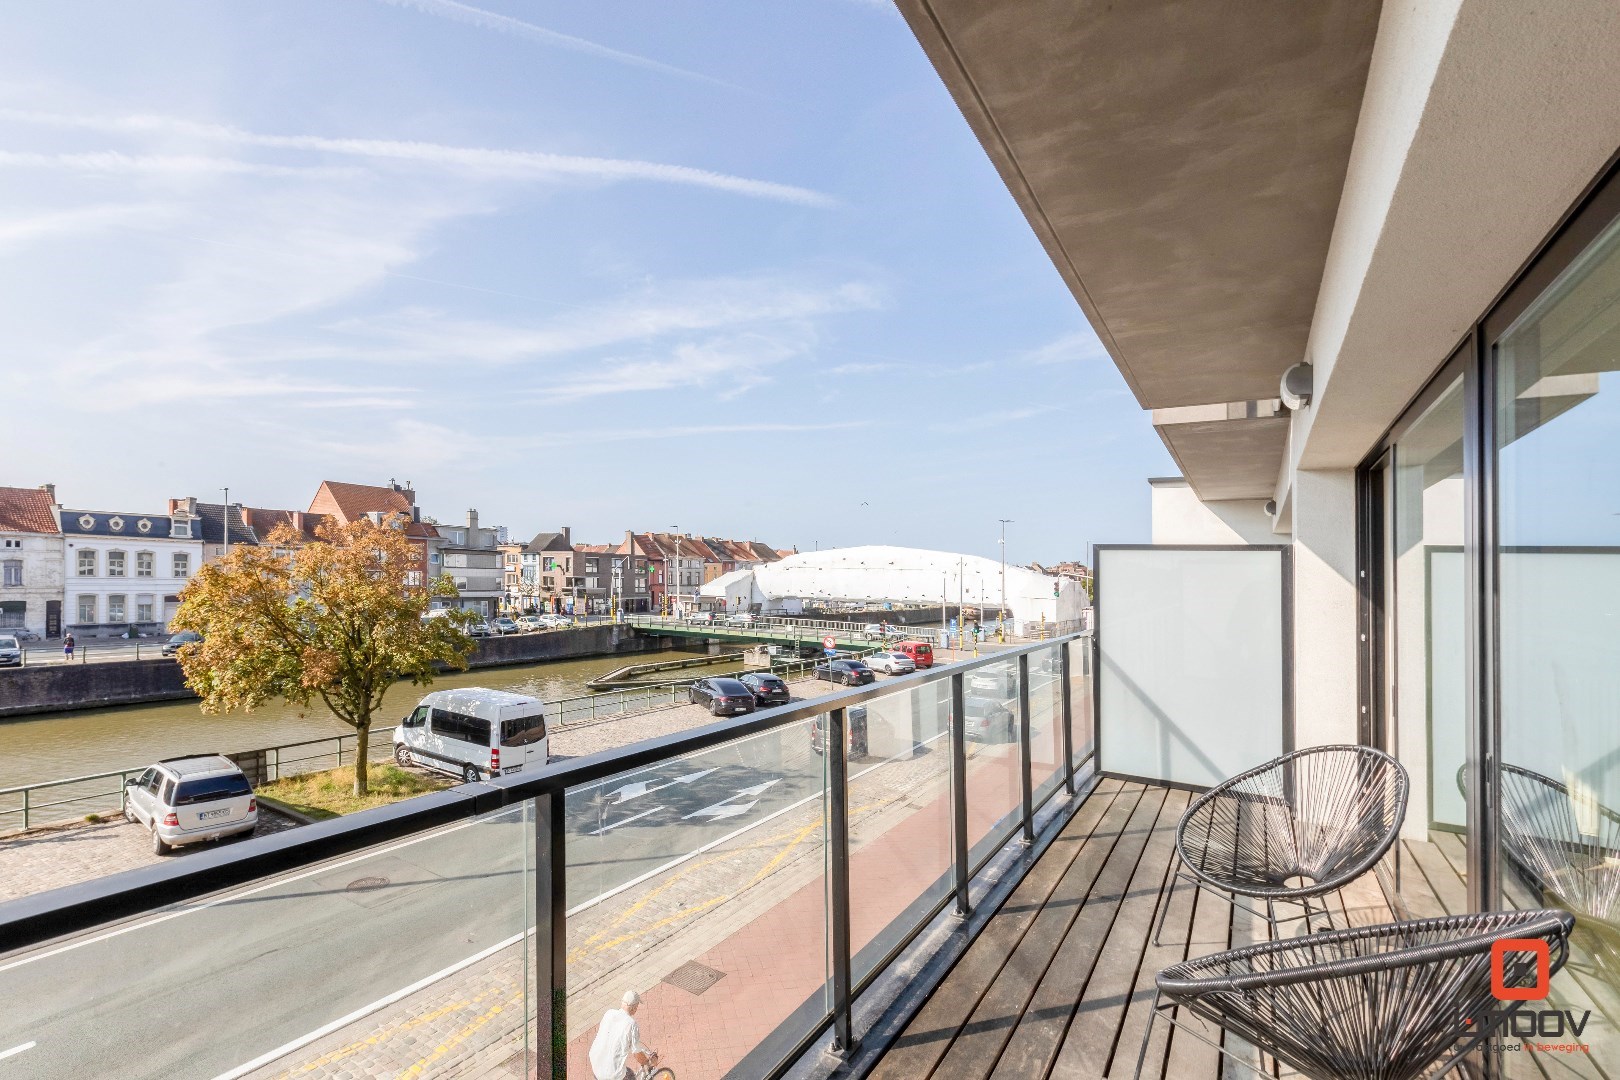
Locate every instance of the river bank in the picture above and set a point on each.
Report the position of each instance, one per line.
(31, 691)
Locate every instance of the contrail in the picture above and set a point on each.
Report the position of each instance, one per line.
(521, 164)
(505, 24)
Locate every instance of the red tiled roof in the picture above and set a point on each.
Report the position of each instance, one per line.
(263, 522)
(27, 510)
(351, 502)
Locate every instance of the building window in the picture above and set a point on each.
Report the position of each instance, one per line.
(143, 608)
(182, 565)
(181, 529)
(87, 609)
(11, 573)
(548, 581)
(115, 564)
(591, 583)
(115, 608)
(413, 577)
(87, 563)
(144, 561)
(591, 566)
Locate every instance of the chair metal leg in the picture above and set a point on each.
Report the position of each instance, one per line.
(1147, 1035)
(1164, 907)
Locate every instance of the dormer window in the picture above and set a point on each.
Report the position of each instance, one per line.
(181, 527)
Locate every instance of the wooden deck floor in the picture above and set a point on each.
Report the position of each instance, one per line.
(1060, 981)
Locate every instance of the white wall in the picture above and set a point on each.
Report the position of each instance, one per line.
(41, 556)
(1179, 518)
(1325, 608)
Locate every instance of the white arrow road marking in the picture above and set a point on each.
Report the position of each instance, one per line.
(15, 1050)
(725, 808)
(645, 787)
(626, 821)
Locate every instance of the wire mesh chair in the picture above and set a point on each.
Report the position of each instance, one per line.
(1565, 845)
(1293, 829)
(1383, 1002)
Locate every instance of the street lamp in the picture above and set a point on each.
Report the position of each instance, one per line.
(676, 529)
(1001, 615)
(225, 516)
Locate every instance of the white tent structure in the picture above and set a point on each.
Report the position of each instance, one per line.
(881, 574)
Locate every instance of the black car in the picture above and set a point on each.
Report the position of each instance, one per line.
(768, 689)
(724, 697)
(848, 672)
(184, 637)
(855, 723)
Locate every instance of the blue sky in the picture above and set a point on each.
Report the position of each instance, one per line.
(735, 267)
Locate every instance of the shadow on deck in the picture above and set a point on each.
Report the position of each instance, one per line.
(1060, 981)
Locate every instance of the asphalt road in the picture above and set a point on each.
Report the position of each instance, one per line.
(204, 989)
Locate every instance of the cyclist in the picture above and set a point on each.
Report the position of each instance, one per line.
(617, 1053)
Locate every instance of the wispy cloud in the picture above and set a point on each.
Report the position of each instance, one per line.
(681, 308)
(505, 24)
(1068, 349)
(871, 368)
(479, 161)
(183, 165)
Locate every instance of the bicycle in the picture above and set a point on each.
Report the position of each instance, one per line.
(655, 1071)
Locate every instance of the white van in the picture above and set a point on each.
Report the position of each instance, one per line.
(473, 733)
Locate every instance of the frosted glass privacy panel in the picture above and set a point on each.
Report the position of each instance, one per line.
(1190, 661)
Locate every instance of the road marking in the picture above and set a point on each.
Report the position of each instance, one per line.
(626, 821)
(15, 1050)
(366, 1010)
(320, 868)
(646, 787)
(725, 808)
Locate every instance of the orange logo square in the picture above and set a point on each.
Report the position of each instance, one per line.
(1499, 951)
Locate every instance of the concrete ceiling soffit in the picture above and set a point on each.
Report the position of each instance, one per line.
(1229, 459)
(1181, 162)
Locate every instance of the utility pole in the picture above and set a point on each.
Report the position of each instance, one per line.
(676, 529)
(1001, 615)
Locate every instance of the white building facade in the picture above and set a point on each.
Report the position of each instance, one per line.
(126, 569)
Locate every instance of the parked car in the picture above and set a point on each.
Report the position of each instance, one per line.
(988, 720)
(740, 618)
(473, 733)
(722, 696)
(555, 622)
(187, 800)
(479, 628)
(184, 637)
(503, 625)
(921, 653)
(701, 617)
(11, 654)
(855, 726)
(848, 672)
(1000, 679)
(768, 689)
(891, 663)
(532, 622)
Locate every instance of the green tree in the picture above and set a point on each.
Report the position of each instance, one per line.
(337, 620)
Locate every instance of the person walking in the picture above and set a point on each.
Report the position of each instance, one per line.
(67, 646)
(616, 1052)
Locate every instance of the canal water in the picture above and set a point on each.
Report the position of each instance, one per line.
(53, 746)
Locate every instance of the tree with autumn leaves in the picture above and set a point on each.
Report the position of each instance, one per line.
(338, 620)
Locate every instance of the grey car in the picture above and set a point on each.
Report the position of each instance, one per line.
(10, 651)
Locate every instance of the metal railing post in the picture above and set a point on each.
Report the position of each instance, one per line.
(550, 939)
(837, 758)
(25, 809)
(1068, 718)
(1025, 754)
(959, 837)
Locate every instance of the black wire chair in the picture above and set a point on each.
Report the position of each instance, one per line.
(1383, 1002)
(1292, 830)
(1565, 846)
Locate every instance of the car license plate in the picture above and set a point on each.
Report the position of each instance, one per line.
(510, 769)
(206, 814)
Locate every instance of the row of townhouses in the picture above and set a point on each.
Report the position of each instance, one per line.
(99, 573)
(645, 572)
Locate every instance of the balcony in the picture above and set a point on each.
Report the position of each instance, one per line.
(959, 894)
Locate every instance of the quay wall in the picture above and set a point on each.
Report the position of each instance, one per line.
(62, 687)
